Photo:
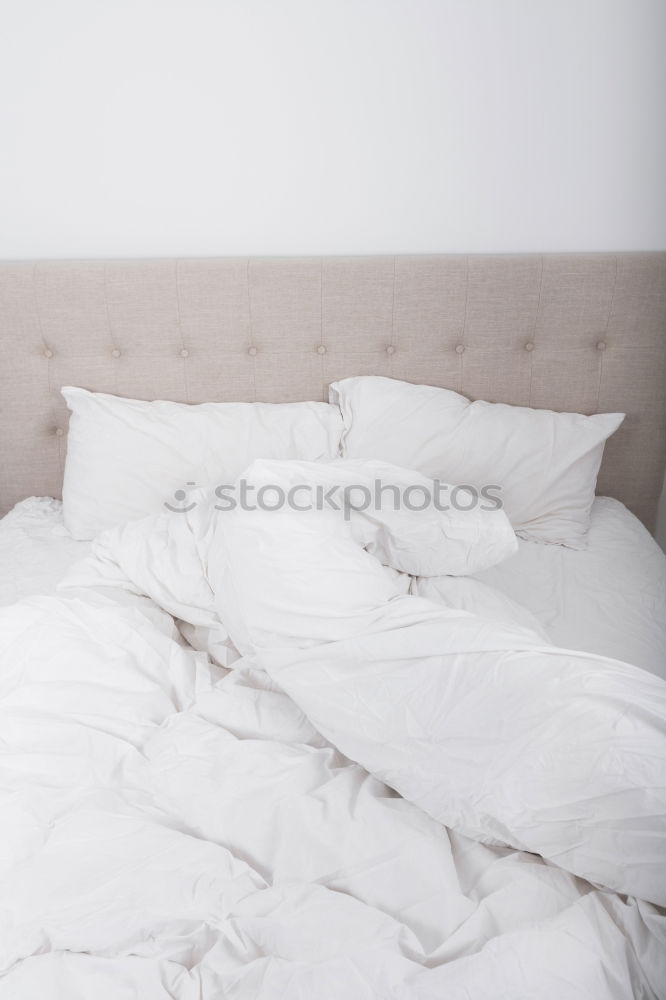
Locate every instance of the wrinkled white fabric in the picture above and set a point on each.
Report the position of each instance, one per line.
(175, 829)
(35, 549)
(470, 594)
(542, 749)
(609, 599)
(404, 519)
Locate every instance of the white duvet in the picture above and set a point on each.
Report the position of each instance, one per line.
(174, 828)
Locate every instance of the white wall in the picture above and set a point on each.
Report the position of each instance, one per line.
(164, 127)
(142, 127)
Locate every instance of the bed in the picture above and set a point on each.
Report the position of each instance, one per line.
(180, 825)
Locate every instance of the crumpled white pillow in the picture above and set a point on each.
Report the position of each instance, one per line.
(390, 516)
(297, 578)
(544, 463)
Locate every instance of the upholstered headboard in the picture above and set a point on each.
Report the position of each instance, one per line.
(581, 332)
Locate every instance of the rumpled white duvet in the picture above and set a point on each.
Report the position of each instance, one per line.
(342, 791)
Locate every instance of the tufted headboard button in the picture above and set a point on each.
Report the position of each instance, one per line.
(115, 353)
(460, 348)
(184, 353)
(59, 432)
(601, 346)
(321, 349)
(252, 351)
(48, 353)
(529, 346)
(390, 349)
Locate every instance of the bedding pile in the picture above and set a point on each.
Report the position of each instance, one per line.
(243, 758)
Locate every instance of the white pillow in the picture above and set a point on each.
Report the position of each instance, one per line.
(542, 464)
(126, 458)
(297, 574)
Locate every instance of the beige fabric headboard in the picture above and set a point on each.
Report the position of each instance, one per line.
(581, 332)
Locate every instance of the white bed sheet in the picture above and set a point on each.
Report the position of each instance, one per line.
(608, 599)
(35, 549)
